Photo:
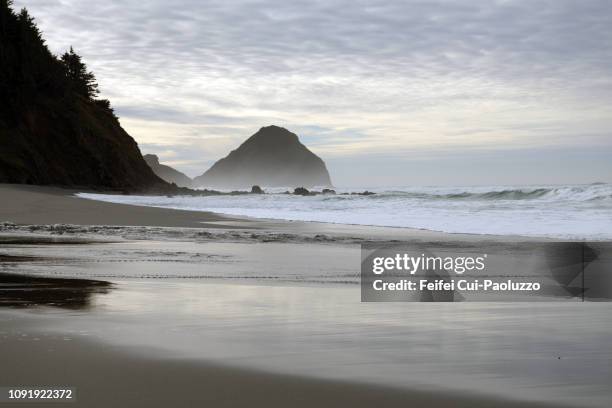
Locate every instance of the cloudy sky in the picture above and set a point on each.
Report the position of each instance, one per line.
(387, 93)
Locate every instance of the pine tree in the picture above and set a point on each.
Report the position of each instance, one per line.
(83, 81)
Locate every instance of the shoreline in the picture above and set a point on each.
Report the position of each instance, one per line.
(42, 205)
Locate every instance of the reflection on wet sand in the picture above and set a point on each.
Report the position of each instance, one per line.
(18, 290)
(22, 291)
(26, 291)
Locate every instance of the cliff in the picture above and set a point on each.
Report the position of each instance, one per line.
(167, 173)
(53, 129)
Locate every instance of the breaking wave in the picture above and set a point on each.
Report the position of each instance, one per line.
(578, 193)
(570, 211)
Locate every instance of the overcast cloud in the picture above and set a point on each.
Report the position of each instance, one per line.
(441, 86)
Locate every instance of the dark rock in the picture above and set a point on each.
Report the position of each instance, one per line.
(301, 191)
(328, 191)
(167, 173)
(273, 157)
(256, 190)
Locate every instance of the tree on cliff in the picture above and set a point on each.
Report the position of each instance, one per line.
(83, 81)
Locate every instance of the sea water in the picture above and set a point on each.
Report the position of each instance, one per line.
(561, 211)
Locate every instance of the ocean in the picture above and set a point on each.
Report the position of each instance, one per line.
(559, 211)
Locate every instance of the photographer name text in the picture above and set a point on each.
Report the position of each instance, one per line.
(452, 284)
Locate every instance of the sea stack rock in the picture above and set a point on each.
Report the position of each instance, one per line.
(167, 173)
(272, 157)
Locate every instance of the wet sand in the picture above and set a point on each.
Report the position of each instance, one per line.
(111, 376)
(165, 308)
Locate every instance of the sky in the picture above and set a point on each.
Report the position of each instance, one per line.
(386, 92)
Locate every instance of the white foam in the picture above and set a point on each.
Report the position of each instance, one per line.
(577, 212)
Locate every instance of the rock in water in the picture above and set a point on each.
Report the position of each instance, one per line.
(272, 157)
(167, 173)
(256, 190)
(301, 191)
